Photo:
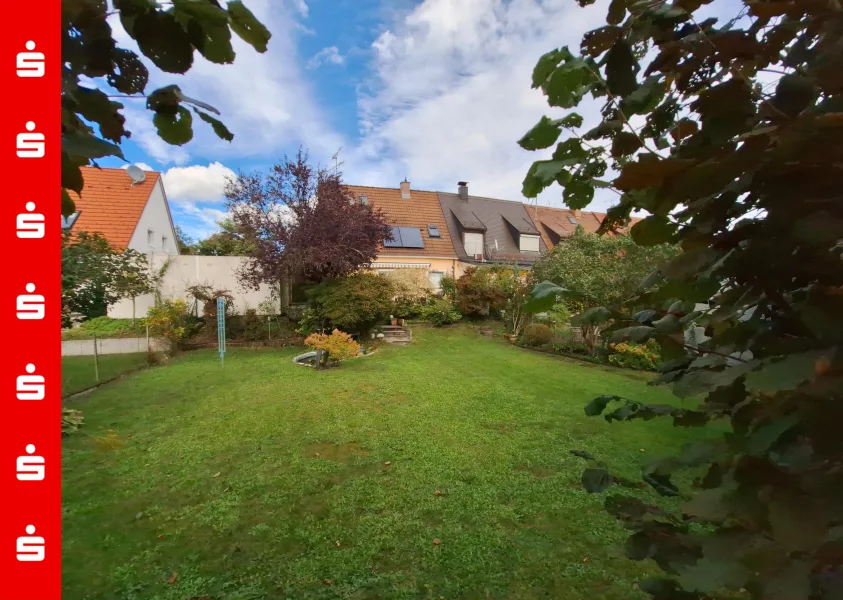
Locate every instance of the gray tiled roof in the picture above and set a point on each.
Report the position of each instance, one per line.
(503, 222)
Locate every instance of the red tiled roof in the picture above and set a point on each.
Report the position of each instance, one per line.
(419, 211)
(110, 205)
(557, 221)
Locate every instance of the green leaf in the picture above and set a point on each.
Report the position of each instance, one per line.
(578, 193)
(582, 454)
(204, 10)
(164, 41)
(639, 546)
(599, 404)
(572, 120)
(544, 295)
(593, 316)
(542, 135)
(174, 129)
(246, 25)
(794, 93)
(596, 480)
(212, 41)
(130, 75)
(71, 174)
(219, 128)
(645, 317)
(785, 374)
(68, 206)
(667, 324)
(764, 436)
(661, 483)
(649, 172)
(597, 41)
(653, 230)
(621, 67)
(87, 145)
(624, 144)
(709, 505)
(617, 11)
(710, 574)
(547, 64)
(638, 333)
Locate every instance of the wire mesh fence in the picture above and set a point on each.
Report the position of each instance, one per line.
(91, 362)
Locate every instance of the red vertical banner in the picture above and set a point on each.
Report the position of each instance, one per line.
(30, 226)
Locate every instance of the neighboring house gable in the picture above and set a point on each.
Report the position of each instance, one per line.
(556, 224)
(128, 215)
(500, 230)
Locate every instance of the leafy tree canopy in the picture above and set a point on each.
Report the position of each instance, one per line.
(226, 242)
(167, 34)
(302, 221)
(727, 133)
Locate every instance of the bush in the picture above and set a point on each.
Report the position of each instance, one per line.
(440, 312)
(485, 290)
(635, 356)
(106, 327)
(537, 334)
(169, 320)
(355, 303)
(411, 288)
(71, 421)
(335, 348)
(448, 285)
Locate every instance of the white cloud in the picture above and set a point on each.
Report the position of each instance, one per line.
(329, 55)
(263, 98)
(451, 93)
(142, 165)
(301, 7)
(197, 184)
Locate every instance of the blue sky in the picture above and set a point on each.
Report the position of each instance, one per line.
(433, 90)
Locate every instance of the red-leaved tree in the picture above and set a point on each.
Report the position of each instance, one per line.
(302, 221)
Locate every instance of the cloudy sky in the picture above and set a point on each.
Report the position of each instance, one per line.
(433, 90)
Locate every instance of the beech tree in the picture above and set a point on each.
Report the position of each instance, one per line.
(167, 34)
(302, 221)
(728, 134)
(226, 242)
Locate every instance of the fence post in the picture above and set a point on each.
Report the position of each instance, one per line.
(96, 362)
(147, 339)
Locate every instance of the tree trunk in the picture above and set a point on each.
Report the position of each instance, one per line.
(133, 311)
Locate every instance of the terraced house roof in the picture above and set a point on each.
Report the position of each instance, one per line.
(557, 223)
(110, 204)
(418, 212)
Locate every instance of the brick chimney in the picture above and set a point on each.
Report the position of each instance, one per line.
(578, 214)
(405, 189)
(463, 190)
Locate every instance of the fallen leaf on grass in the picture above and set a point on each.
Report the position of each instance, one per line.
(436, 542)
(337, 543)
(160, 536)
(437, 493)
(173, 578)
(387, 463)
(218, 474)
(328, 581)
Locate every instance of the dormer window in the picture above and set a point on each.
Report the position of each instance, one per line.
(529, 243)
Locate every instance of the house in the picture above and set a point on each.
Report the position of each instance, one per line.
(127, 213)
(554, 224)
(421, 238)
(488, 230)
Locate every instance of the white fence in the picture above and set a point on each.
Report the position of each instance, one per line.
(97, 346)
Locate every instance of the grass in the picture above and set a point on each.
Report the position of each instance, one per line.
(78, 374)
(264, 479)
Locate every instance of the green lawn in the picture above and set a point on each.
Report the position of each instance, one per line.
(77, 372)
(264, 480)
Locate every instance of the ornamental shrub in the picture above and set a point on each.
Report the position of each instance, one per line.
(335, 348)
(537, 334)
(355, 303)
(630, 355)
(169, 320)
(440, 311)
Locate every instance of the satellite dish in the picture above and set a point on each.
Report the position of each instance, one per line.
(136, 173)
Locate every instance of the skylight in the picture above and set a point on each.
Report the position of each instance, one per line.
(433, 231)
(572, 220)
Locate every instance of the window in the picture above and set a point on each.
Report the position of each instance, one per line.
(433, 231)
(529, 243)
(473, 243)
(150, 236)
(67, 222)
(163, 242)
(572, 220)
(435, 278)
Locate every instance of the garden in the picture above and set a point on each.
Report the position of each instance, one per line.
(437, 470)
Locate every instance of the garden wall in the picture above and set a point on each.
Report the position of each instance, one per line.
(113, 346)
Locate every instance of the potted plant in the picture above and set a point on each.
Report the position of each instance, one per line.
(393, 320)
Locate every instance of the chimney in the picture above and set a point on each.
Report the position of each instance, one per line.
(405, 189)
(463, 190)
(578, 214)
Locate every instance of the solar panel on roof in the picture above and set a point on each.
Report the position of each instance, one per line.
(395, 242)
(411, 237)
(404, 237)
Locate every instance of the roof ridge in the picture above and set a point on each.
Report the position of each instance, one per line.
(115, 169)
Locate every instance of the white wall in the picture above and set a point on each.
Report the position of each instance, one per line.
(155, 217)
(220, 272)
(114, 346)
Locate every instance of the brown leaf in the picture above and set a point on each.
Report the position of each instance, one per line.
(768, 10)
(683, 128)
(387, 463)
(328, 581)
(337, 543)
(160, 536)
(437, 493)
(172, 579)
(436, 542)
(649, 171)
